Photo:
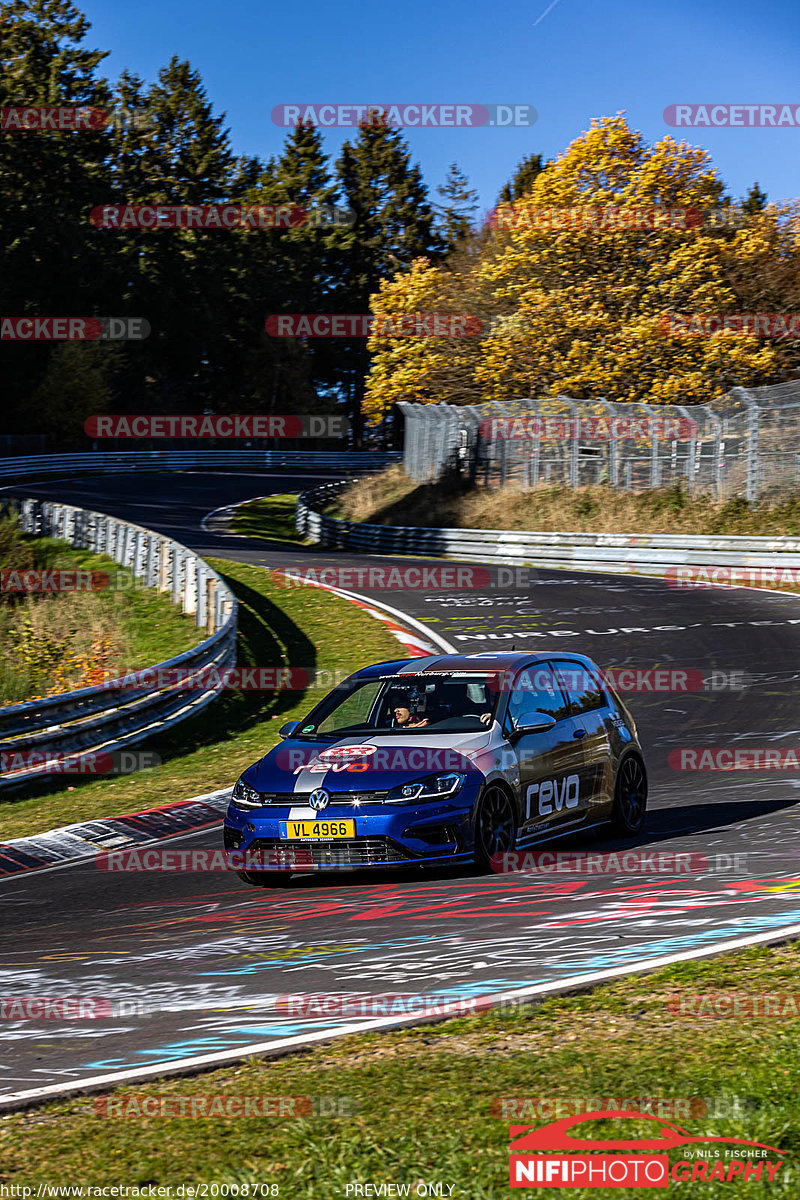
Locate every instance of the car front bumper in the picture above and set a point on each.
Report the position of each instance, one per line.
(388, 835)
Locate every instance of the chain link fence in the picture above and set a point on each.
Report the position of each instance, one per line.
(746, 443)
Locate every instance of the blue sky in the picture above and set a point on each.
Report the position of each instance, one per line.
(581, 59)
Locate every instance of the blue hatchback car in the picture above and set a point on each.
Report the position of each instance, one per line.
(452, 758)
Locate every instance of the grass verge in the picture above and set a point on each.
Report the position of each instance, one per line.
(271, 519)
(299, 627)
(56, 642)
(392, 499)
(426, 1104)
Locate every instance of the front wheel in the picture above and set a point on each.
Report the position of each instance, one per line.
(495, 826)
(630, 796)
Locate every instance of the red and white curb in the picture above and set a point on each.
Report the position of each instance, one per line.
(418, 639)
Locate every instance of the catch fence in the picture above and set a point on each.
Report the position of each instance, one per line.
(746, 443)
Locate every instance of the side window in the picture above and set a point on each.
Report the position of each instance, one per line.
(536, 689)
(582, 687)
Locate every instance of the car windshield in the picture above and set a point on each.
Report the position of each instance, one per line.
(454, 703)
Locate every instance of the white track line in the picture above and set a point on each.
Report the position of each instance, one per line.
(278, 1047)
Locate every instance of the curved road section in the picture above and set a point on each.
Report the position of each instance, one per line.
(191, 966)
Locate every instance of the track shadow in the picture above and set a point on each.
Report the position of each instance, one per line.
(662, 825)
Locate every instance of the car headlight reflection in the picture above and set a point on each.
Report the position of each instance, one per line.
(244, 796)
(432, 787)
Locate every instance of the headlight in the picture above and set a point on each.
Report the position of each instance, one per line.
(432, 787)
(244, 796)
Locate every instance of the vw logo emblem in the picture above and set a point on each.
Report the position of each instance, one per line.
(319, 798)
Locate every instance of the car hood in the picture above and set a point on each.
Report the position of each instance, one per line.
(365, 764)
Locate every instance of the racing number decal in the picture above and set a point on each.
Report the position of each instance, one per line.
(549, 793)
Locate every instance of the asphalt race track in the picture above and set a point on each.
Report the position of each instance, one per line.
(197, 960)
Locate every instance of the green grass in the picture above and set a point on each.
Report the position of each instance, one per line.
(390, 498)
(300, 627)
(271, 519)
(121, 628)
(425, 1102)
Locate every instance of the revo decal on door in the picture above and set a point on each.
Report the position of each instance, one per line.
(565, 796)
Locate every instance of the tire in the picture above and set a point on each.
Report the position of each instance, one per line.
(495, 826)
(630, 796)
(266, 878)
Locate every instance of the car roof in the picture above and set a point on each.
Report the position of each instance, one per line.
(481, 662)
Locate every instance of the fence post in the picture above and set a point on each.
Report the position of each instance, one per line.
(691, 457)
(613, 445)
(574, 441)
(654, 464)
(752, 484)
(717, 468)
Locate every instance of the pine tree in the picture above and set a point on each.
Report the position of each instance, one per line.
(181, 278)
(394, 224)
(293, 270)
(455, 216)
(522, 180)
(755, 201)
(51, 263)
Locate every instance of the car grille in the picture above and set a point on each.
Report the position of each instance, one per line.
(361, 852)
(301, 798)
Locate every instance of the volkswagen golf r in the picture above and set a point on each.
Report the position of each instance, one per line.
(444, 759)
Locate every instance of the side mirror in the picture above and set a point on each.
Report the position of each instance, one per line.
(288, 729)
(534, 722)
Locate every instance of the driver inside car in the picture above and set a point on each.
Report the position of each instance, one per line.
(400, 708)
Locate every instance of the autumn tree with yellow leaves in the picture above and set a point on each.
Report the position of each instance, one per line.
(577, 306)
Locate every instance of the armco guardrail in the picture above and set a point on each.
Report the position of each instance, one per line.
(104, 719)
(614, 553)
(127, 461)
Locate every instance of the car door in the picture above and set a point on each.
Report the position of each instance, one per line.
(549, 760)
(589, 710)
